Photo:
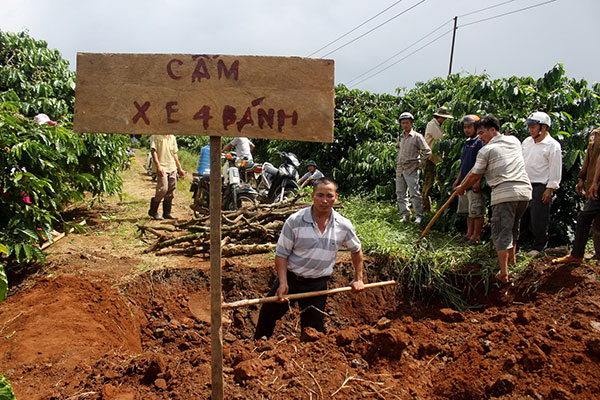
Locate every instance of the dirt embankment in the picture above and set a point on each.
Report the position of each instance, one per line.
(99, 322)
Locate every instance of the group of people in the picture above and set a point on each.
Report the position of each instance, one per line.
(163, 151)
(522, 177)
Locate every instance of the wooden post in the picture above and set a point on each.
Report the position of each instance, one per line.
(216, 332)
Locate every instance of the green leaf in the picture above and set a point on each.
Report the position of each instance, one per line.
(6, 391)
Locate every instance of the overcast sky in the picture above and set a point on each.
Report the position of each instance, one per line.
(526, 43)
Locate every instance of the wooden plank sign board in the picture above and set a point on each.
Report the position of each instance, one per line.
(212, 95)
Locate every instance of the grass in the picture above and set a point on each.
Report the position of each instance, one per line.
(440, 266)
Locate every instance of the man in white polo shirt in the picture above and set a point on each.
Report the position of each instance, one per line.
(305, 256)
(543, 163)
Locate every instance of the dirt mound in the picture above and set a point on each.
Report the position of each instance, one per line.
(149, 338)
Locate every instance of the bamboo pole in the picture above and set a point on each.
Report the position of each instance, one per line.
(273, 299)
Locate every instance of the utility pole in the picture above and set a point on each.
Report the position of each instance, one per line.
(452, 48)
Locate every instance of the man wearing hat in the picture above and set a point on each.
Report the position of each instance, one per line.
(543, 163)
(413, 151)
(433, 133)
(312, 175)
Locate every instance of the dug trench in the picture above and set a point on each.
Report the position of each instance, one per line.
(148, 337)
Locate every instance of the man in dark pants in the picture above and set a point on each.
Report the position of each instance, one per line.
(585, 218)
(305, 256)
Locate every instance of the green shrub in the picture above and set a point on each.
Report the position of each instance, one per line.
(44, 168)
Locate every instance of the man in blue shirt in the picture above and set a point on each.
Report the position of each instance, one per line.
(471, 203)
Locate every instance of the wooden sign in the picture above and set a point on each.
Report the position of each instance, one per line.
(213, 95)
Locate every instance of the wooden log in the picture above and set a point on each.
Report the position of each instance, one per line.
(236, 250)
(273, 299)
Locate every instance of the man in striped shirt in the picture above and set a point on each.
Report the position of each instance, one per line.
(305, 256)
(500, 160)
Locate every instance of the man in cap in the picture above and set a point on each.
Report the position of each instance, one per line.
(501, 160)
(312, 175)
(433, 133)
(471, 203)
(543, 163)
(413, 151)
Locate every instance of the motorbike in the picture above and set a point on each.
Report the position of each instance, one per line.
(277, 184)
(235, 193)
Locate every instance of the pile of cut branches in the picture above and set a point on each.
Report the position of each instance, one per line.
(249, 230)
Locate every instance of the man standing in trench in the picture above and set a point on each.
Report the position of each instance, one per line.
(305, 256)
(501, 161)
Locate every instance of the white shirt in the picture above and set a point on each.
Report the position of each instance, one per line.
(543, 161)
(242, 147)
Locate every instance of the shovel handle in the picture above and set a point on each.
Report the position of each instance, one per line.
(440, 211)
(273, 299)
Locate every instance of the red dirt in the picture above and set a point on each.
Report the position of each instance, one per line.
(94, 324)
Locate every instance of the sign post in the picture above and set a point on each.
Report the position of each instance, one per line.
(288, 98)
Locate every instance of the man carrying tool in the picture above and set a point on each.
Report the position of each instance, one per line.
(501, 161)
(305, 256)
(471, 203)
(413, 151)
(543, 163)
(433, 133)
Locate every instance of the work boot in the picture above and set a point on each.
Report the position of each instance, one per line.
(153, 211)
(167, 203)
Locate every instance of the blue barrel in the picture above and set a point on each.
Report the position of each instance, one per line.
(204, 161)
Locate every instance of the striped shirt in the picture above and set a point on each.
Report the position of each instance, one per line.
(501, 161)
(310, 253)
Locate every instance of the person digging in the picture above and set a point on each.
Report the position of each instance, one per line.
(500, 160)
(305, 256)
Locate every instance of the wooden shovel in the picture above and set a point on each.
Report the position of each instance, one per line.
(272, 299)
(440, 211)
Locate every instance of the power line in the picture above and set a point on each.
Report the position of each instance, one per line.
(424, 37)
(404, 58)
(369, 31)
(485, 9)
(508, 13)
(400, 52)
(442, 35)
(352, 30)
